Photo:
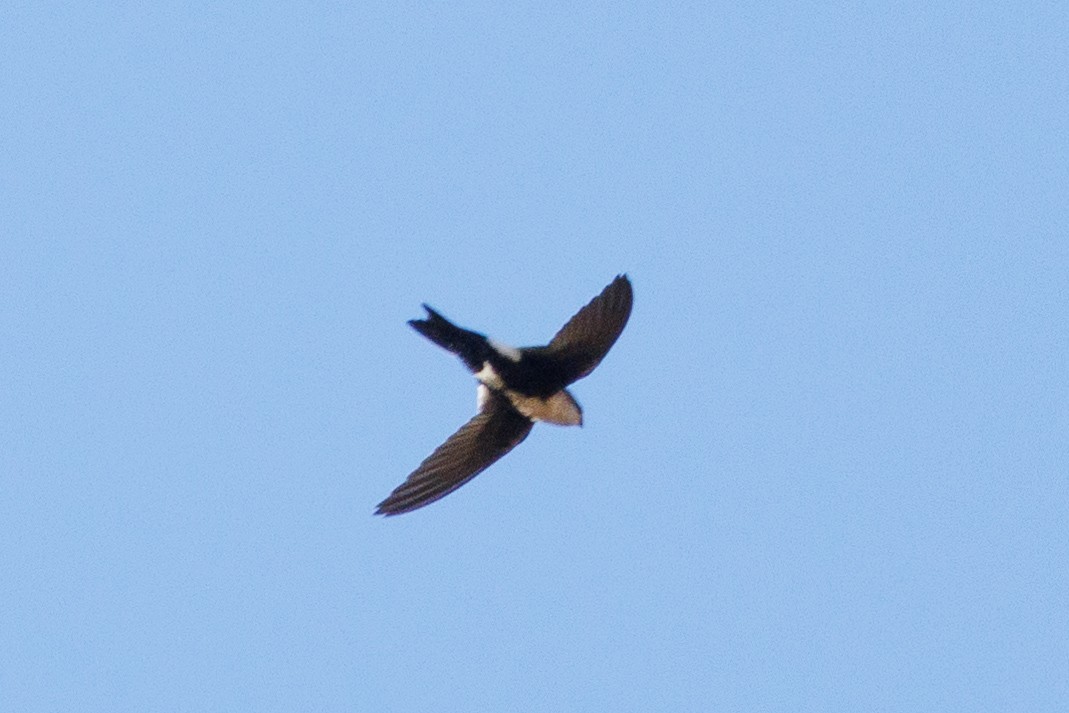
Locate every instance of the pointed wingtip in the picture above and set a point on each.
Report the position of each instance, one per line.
(621, 284)
(387, 509)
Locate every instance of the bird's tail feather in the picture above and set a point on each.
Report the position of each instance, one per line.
(471, 347)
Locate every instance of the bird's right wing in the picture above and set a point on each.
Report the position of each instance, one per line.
(583, 342)
(493, 432)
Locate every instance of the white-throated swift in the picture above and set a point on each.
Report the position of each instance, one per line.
(517, 386)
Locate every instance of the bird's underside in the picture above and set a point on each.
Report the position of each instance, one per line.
(516, 388)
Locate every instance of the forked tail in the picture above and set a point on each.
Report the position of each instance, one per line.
(471, 347)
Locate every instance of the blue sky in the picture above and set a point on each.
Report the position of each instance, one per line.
(825, 468)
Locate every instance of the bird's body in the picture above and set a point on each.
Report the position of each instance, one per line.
(517, 386)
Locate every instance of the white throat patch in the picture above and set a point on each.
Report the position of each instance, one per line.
(560, 408)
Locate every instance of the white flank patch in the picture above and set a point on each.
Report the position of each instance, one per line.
(505, 350)
(488, 376)
(482, 395)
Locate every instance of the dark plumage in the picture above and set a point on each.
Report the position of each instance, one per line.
(516, 388)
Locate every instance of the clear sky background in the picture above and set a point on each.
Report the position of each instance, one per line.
(824, 469)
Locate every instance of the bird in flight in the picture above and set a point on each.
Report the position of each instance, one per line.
(517, 386)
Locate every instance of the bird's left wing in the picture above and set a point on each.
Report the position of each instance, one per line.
(493, 432)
